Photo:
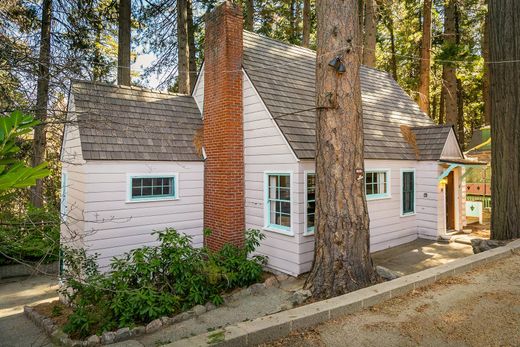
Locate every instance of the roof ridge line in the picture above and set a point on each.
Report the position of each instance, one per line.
(106, 84)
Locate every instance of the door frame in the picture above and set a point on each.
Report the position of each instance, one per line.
(456, 201)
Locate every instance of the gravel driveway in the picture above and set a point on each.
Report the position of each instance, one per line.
(480, 308)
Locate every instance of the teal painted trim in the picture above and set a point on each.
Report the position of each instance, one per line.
(172, 196)
(388, 179)
(447, 171)
(308, 230)
(377, 196)
(408, 213)
(279, 227)
(267, 215)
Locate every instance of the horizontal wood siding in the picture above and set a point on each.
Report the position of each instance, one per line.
(71, 146)
(114, 226)
(387, 227)
(73, 222)
(198, 91)
(266, 150)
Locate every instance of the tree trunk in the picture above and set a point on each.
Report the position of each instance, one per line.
(306, 37)
(191, 46)
(42, 99)
(342, 260)
(249, 15)
(442, 109)
(369, 48)
(460, 92)
(393, 59)
(292, 21)
(123, 50)
(504, 45)
(450, 70)
(424, 72)
(183, 56)
(485, 77)
(460, 114)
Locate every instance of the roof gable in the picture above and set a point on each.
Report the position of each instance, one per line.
(128, 123)
(451, 149)
(284, 76)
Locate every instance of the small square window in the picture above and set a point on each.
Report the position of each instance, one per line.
(376, 184)
(152, 188)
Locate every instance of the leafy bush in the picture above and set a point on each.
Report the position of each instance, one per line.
(151, 282)
(32, 237)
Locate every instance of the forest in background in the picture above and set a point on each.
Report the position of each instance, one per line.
(435, 49)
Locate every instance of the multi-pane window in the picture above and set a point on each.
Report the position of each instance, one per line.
(376, 184)
(279, 201)
(311, 201)
(408, 192)
(143, 188)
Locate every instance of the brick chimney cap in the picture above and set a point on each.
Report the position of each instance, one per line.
(226, 5)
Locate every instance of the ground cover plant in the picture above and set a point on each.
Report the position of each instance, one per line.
(151, 282)
(32, 236)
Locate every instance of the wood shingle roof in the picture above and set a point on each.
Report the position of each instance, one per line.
(284, 76)
(128, 123)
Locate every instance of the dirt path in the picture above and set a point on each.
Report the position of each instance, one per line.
(480, 308)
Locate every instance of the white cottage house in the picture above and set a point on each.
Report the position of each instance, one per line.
(239, 153)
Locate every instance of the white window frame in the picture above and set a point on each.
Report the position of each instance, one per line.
(388, 194)
(64, 195)
(306, 231)
(271, 227)
(129, 177)
(414, 192)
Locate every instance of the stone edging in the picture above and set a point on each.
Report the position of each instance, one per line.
(59, 337)
(279, 325)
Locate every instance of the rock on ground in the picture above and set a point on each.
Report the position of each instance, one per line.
(386, 274)
(481, 245)
(300, 296)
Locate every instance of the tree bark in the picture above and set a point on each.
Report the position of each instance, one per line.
(442, 109)
(393, 59)
(424, 72)
(191, 46)
(123, 50)
(504, 45)
(249, 15)
(306, 37)
(450, 70)
(369, 48)
(183, 55)
(342, 260)
(460, 92)
(42, 99)
(460, 114)
(485, 77)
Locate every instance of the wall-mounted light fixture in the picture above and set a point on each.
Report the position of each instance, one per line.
(338, 65)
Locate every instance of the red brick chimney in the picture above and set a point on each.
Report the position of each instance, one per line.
(224, 211)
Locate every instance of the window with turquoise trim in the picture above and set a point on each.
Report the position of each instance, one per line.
(143, 188)
(279, 201)
(408, 192)
(376, 184)
(311, 201)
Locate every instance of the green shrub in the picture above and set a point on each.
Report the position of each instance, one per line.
(32, 237)
(151, 282)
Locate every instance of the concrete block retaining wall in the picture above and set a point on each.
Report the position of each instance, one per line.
(17, 270)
